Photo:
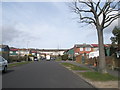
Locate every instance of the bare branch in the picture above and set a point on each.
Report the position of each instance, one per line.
(90, 19)
(76, 7)
(93, 9)
(107, 8)
(108, 17)
(86, 3)
(111, 9)
(97, 6)
(114, 16)
(104, 7)
(111, 21)
(82, 18)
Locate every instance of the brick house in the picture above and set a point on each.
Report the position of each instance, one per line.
(81, 49)
(14, 52)
(20, 52)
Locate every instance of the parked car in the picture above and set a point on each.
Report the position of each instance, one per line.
(35, 59)
(3, 64)
(52, 58)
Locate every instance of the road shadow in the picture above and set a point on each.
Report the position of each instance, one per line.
(8, 71)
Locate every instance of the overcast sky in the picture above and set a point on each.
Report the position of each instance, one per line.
(45, 25)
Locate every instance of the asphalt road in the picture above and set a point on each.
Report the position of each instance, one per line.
(43, 74)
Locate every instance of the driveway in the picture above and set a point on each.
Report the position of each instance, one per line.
(43, 74)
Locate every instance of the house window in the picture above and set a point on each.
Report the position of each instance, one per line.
(0, 49)
(87, 49)
(81, 49)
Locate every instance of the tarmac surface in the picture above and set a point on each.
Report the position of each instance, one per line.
(43, 74)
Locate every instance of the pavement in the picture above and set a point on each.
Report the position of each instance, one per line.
(43, 74)
(110, 85)
(111, 72)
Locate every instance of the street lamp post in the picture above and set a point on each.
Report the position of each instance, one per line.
(27, 50)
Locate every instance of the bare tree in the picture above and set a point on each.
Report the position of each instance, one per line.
(101, 15)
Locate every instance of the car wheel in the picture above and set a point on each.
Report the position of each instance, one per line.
(5, 69)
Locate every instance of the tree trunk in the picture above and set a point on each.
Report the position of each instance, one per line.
(102, 62)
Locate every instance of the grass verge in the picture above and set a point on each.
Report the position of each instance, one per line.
(74, 67)
(96, 76)
(19, 63)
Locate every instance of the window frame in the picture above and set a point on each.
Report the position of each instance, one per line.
(81, 48)
(87, 48)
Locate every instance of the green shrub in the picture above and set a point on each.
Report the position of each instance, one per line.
(17, 59)
(65, 57)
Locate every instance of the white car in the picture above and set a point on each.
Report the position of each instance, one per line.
(3, 64)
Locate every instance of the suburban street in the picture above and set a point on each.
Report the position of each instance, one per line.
(43, 74)
(60, 44)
